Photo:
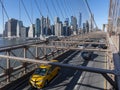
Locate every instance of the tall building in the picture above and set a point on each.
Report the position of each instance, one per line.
(31, 32)
(23, 32)
(19, 26)
(37, 28)
(87, 26)
(47, 26)
(58, 27)
(42, 25)
(11, 28)
(113, 17)
(80, 19)
(52, 30)
(74, 24)
(84, 27)
(66, 29)
(5, 32)
(57, 19)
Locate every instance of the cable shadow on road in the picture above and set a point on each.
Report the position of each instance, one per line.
(66, 73)
(89, 86)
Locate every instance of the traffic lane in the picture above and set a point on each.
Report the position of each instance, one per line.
(93, 81)
(69, 77)
(65, 74)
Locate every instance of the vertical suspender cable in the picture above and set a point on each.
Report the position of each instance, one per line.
(54, 7)
(3, 17)
(48, 10)
(90, 12)
(4, 9)
(67, 7)
(38, 7)
(26, 11)
(19, 11)
(31, 11)
(60, 8)
(64, 8)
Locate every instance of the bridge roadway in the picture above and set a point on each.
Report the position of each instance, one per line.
(69, 79)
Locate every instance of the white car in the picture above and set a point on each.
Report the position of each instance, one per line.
(80, 46)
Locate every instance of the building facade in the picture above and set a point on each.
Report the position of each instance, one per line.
(114, 17)
(11, 28)
(37, 27)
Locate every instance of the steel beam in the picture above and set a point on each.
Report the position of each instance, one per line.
(76, 42)
(116, 59)
(113, 83)
(83, 68)
(17, 46)
(71, 48)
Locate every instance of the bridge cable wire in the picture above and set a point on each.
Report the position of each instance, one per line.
(60, 8)
(3, 7)
(26, 11)
(54, 7)
(32, 11)
(71, 7)
(48, 10)
(3, 17)
(90, 12)
(64, 7)
(38, 7)
(67, 7)
(19, 10)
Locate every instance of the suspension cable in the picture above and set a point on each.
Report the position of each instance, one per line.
(4, 9)
(26, 11)
(60, 8)
(38, 7)
(19, 10)
(67, 7)
(54, 7)
(70, 7)
(64, 8)
(48, 10)
(90, 12)
(3, 17)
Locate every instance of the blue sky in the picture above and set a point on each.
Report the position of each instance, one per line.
(61, 8)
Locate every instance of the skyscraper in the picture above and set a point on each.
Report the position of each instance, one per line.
(19, 26)
(80, 19)
(66, 29)
(87, 26)
(31, 32)
(58, 27)
(47, 26)
(11, 27)
(37, 28)
(74, 24)
(42, 25)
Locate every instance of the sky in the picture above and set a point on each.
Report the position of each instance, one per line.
(28, 10)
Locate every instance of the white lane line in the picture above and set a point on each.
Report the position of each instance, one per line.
(79, 81)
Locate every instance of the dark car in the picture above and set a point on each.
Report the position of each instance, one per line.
(94, 45)
(87, 55)
(103, 46)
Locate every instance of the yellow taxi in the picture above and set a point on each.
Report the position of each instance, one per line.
(43, 75)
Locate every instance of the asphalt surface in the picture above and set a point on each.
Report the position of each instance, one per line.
(69, 79)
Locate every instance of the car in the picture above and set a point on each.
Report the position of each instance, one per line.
(81, 46)
(87, 55)
(43, 75)
(94, 45)
(103, 46)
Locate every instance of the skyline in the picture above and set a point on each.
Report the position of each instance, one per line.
(52, 9)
